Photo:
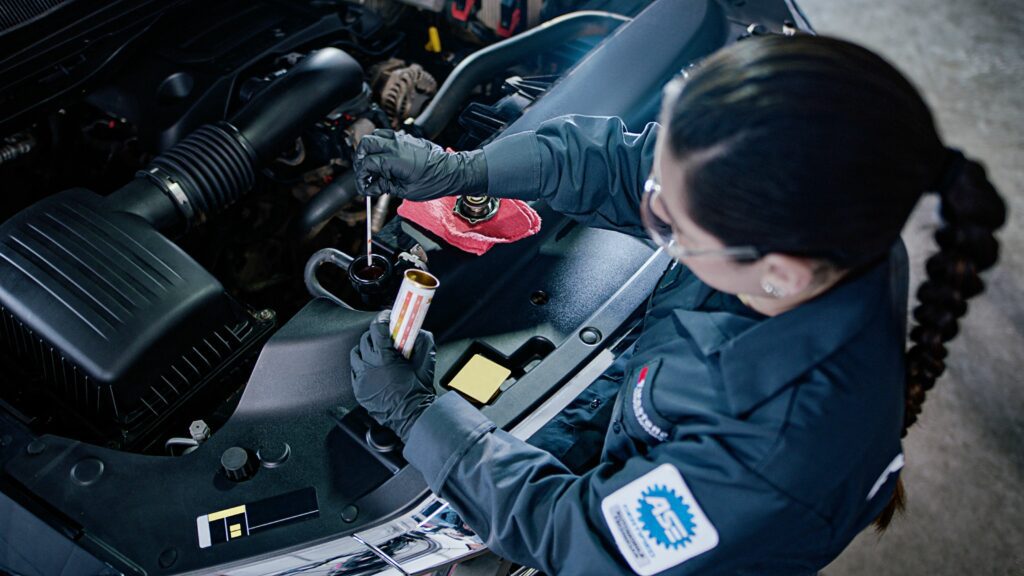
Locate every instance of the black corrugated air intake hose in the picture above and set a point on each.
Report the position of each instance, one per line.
(204, 173)
(215, 165)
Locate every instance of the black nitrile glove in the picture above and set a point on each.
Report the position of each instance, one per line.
(387, 162)
(392, 389)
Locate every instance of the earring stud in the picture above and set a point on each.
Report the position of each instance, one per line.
(771, 289)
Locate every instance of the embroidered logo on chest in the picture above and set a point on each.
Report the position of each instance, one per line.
(650, 427)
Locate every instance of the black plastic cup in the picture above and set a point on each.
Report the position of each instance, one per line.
(370, 278)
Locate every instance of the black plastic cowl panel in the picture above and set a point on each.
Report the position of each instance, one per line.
(99, 301)
(301, 377)
(625, 74)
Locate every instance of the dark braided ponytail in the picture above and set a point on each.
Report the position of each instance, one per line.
(971, 211)
(822, 149)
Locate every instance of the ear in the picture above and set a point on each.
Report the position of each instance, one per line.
(791, 275)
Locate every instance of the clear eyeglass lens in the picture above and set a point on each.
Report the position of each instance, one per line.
(661, 232)
(657, 229)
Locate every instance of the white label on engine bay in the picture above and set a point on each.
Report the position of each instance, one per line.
(237, 522)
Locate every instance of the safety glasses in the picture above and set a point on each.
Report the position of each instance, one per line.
(661, 232)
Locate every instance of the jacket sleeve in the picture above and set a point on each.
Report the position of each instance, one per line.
(713, 517)
(586, 167)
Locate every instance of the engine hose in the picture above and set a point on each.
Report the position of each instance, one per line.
(206, 172)
(498, 57)
(327, 202)
(215, 165)
(325, 256)
(316, 85)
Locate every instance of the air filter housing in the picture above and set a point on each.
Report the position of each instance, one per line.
(118, 321)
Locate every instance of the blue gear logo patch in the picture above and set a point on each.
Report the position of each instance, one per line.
(666, 518)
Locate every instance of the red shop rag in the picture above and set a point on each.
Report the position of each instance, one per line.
(515, 220)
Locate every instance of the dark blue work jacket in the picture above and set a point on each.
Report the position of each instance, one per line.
(733, 443)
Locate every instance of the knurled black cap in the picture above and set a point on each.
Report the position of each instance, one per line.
(237, 464)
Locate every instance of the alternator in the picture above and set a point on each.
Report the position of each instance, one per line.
(403, 89)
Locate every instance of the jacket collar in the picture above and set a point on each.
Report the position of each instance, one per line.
(762, 360)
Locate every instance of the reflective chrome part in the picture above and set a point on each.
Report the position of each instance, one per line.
(174, 190)
(429, 538)
(380, 554)
(341, 556)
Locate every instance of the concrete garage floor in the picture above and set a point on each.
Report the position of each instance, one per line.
(965, 457)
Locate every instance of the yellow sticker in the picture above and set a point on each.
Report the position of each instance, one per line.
(226, 513)
(480, 379)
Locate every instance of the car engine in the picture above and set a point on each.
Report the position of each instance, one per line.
(172, 174)
(238, 146)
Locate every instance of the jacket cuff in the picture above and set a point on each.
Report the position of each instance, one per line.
(442, 434)
(514, 167)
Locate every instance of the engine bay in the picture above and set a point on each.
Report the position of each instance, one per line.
(259, 194)
(161, 354)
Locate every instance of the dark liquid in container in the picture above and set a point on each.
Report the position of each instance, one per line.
(370, 273)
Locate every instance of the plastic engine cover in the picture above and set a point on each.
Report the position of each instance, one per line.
(97, 301)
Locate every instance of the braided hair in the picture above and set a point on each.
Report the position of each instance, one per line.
(846, 147)
(971, 210)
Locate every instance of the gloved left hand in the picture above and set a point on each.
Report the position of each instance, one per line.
(394, 391)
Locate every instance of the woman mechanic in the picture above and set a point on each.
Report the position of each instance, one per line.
(754, 426)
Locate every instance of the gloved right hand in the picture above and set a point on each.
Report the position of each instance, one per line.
(387, 162)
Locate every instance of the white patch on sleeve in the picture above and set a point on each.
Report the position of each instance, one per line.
(895, 466)
(656, 522)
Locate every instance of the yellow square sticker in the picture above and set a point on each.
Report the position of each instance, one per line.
(480, 379)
